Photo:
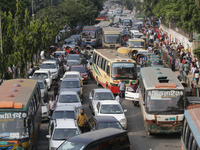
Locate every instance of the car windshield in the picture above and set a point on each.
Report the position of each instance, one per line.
(13, 125)
(48, 66)
(111, 109)
(124, 71)
(112, 38)
(64, 134)
(136, 44)
(41, 85)
(103, 96)
(103, 125)
(70, 84)
(68, 99)
(79, 69)
(63, 114)
(71, 146)
(72, 57)
(165, 101)
(88, 34)
(71, 42)
(73, 63)
(40, 75)
(72, 76)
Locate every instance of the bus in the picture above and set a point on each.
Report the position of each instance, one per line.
(110, 66)
(20, 113)
(111, 37)
(161, 100)
(91, 35)
(190, 135)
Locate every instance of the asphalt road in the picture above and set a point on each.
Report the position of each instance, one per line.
(137, 135)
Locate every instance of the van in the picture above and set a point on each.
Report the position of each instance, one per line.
(107, 139)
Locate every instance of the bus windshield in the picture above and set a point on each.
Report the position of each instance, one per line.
(12, 125)
(112, 38)
(88, 34)
(124, 71)
(164, 101)
(136, 44)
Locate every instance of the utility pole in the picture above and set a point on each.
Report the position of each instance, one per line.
(1, 33)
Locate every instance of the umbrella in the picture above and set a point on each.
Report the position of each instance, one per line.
(124, 50)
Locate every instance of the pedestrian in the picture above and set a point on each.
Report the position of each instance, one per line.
(122, 88)
(42, 55)
(84, 62)
(180, 69)
(52, 105)
(173, 63)
(55, 88)
(31, 71)
(20, 146)
(196, 75)
(118, 98)
(81, 120)
(186, 68)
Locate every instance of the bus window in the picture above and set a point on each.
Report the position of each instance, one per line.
(108, 70)
(97, 59)
(94, 57)
(190, 141)
(187, 136)
(99, 62)
(102, 63)
(106, 63)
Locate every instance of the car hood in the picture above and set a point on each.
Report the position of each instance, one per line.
(56, 143)
(78, 105)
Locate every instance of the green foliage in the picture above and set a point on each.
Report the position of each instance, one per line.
(197, 52)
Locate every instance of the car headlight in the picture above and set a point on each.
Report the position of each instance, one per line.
(123, 121)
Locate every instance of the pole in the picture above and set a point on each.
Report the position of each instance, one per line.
(32, 11)
(1, 33)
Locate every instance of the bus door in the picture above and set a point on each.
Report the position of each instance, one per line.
(108, 72)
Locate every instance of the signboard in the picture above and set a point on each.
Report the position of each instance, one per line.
(12, 115)
(126, 65)
(164, 94)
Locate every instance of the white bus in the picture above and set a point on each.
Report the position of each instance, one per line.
(161, 100)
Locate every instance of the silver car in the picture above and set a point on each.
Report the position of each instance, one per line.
(97, 95)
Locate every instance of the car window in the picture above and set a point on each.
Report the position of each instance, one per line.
(103, 125)
(70, 84)
(63, 114)
(40, 75)
(68, 99)
(98, 105)
(103, 96)
(63, 134)
(111, 109)
(48, 66)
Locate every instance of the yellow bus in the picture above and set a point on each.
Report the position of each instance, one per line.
(20, 113)
(111, 37)
(110, 66)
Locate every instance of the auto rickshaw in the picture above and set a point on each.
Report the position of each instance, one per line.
(89, 49)
(77, 49)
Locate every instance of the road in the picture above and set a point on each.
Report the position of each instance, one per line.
(137, 135)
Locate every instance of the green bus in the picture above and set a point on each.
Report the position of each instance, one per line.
(20, 113)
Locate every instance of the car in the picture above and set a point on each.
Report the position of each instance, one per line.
(43, 89)
(102, 122)
(77, 37)
(53, 59)
(43, 74)
(73, 57)
(97, 95)
(45, 110)
(82, 70)
(72, 84)
(65, 112)
(70, 63)
(132, 95)
(57, 54)
(50, 66)
(61, 130)
(70, 42)
(111, 108)
(69, 98)
(73, 74)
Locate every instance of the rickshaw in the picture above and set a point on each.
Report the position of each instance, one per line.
(77, 49)
(145, 56)
(89, 49)
(67, 49)
(156, 51)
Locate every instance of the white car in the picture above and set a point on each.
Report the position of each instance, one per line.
(73, 74)
(132, 95)
(50, 66)
(61, 130)
(45, 110)
(69, 98)
(111, 108)
(43, 74)
(97, 95)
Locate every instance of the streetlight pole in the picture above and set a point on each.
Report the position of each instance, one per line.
(1, 33)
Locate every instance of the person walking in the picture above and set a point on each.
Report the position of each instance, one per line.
(84, 61)
(31, 71)
(55, 88)
(121, 86)
(20, 146)
(186, 68)
(52, 105)
(173, 63)
(81, 120)
(42, 55)
(196, 75)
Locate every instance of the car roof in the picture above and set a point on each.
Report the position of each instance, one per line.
(65, 107)
(70, 79)
(65, 123)
(77, 66)
(41, 71)
(72, 72)
(102, 90)
(49, 61)
(68, 93)
(109, 102)
(105, 119)
(89, 137)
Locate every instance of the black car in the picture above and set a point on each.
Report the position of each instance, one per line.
(101, 122)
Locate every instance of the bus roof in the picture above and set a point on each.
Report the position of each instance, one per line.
(193, 119)
(15, 93)
(113, 55)
(103, 24)
(151, 75)
(111, 30)
(89, 28)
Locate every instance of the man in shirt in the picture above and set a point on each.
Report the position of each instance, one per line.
(81, 120)
(20, 146)
(186, 68)
(52, 105)
(55, 88)
(122, 88)
(173, 63)
(196, 75)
